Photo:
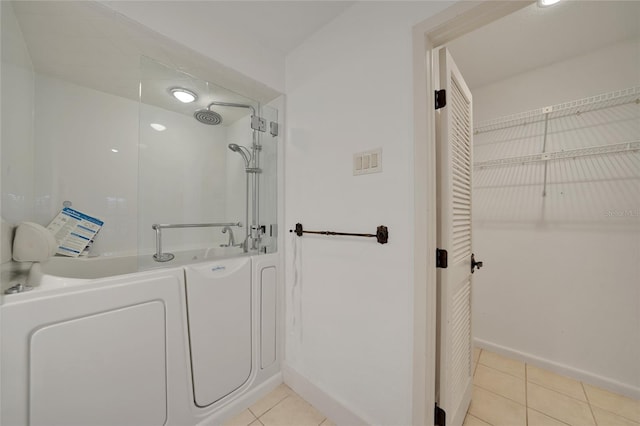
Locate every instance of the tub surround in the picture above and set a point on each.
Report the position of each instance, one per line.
(138, 321)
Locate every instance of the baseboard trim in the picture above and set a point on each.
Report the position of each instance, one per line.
(574, 373)
(325, 403)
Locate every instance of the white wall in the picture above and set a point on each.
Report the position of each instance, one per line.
(560, 282)
(17, 128)
(349, 317)
(182, 179)
(75, 130)
(197, 26)
(178, 175)
(612, 68)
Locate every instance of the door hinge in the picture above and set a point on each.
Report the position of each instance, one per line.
(441, 98)
(439, 417)
(441, 258)
(258, 123)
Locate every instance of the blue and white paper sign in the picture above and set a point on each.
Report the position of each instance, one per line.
(74, 231)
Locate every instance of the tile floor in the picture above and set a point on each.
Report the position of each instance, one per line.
(506, 393)
(281, 407)
(512, 393)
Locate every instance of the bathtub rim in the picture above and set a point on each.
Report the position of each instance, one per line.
(47, 284)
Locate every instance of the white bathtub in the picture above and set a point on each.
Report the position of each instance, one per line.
(111, 340)
(61, 271)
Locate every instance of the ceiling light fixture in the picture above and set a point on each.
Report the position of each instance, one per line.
(115, 150)
(546, 3)
(158, 127)
(183, 95)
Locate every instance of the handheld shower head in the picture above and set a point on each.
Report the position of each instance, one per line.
(246, 154)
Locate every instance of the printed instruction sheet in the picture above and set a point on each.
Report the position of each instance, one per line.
(74, 231)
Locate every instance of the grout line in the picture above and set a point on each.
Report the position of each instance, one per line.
(526, 394)
(584, 401)
(478, 418)
(551, 417)
(595, 422)
(501, 396)
(565, 395)
(548, 387)
(510, 375)
(606, 409)
(475, 368)
(274, 406)
(505, 372)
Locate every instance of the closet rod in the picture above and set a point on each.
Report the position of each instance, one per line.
(559, 155)
(605, 100)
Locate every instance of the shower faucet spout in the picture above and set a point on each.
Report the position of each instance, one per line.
(232, 240)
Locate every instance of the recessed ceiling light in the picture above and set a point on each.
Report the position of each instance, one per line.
(183, 95)
(114, 150)
(157, 126)
(545, 3)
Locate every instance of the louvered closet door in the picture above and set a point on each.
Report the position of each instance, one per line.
(454, 137)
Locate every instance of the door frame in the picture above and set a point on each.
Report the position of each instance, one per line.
(430, 34)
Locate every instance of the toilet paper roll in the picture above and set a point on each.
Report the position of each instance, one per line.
(33, 243)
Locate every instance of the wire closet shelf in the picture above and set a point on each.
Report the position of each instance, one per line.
(576, 107)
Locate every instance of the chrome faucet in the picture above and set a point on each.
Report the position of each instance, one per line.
(232, 239)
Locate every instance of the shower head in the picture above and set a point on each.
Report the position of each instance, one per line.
(207, 116)
(246, 154)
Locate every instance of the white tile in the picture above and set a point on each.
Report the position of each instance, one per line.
(292, 411)
(495, 409)
(501, 383)
(536, 418)
(559, 406)
(504, 364)
(547, 379)
(271, 400)
(612, 402)
(327, 422)
(606, 418)
(242, 419)
(470, 420)
(476, 355)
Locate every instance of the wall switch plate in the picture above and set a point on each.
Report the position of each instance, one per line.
(367, 162)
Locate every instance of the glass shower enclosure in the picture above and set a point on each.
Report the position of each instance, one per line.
(207, 170)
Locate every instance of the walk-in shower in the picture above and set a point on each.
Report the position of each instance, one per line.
(251, 159)
(190, 174)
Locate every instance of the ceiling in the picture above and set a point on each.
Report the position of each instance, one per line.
(279, 26)
(535, 37)
(90, 44)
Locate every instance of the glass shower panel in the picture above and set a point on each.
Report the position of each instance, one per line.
(268, 183)
(192, 171)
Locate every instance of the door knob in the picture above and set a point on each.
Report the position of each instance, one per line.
(475, 264)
